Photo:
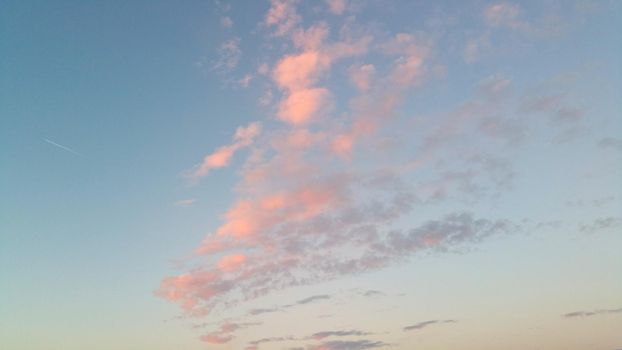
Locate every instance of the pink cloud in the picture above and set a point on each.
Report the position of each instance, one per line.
(302, 106)
(282, 15)
(306, 209)
(337, 7)
(232, 262)
(412, 52)
(503, 14)
(362, 76)
(343, 144)
(300, 71)
(244, 136)
(216, 339)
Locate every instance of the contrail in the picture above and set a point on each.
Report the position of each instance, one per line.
(63, 147)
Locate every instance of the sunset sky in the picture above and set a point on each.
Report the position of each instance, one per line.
(311, 175)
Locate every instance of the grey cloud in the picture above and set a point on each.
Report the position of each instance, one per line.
(348, 345)
(610, 142)
(263, 311)
(600, 224)
(313, 298)
(325, 334)
(424, 324)
(591, 313)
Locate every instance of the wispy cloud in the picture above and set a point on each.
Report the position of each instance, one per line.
(185, 202)
(592, 313)
(348, 345)
(63, 147)
(600, 224)
(224, 333)
(260, 311)
(313, 299)
(326, 334)
(328, 188)
(425, 324)
(243, 137)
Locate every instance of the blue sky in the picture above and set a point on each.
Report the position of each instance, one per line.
(433, 175)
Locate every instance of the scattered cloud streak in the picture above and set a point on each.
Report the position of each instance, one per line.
(244, 137)
(592, 313)
(63, 148)
(185, 202)
(422, 325)
(601, 224)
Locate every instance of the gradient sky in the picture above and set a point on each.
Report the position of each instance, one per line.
(335, 175)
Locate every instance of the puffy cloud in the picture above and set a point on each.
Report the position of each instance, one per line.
(301, 106)
(282, 15)
(295, 72)
(308, 210)
(337, 7)
(232, 262)
(503, 14)
(412, 52)
(362, 76)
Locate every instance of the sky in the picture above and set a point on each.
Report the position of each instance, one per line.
(310, 175)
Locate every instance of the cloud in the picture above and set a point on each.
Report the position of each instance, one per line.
(245, 81)
(504, 15)
(372, 293)
(592, 313)
(425, 324)
(63, 147)
(226, 22)
(282, 15)
(337, 7)
(610, 142)
(362, 76)
(229, 54)
(476, 47)
(185, 202)
(230, 263)
(301, 106)
(244, 137)
(293, 260)
(255, 312)
(224, 333)
(253, 345)
(600, 224)
(313, 299)
(547, 22)
(326, 334)
(322, 195)
(348, 345)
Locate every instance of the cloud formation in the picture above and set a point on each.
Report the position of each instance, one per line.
(592, 313)
(425, 324)
(244, 137)
(337, 187)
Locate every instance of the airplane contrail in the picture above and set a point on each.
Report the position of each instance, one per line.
(63, 147)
